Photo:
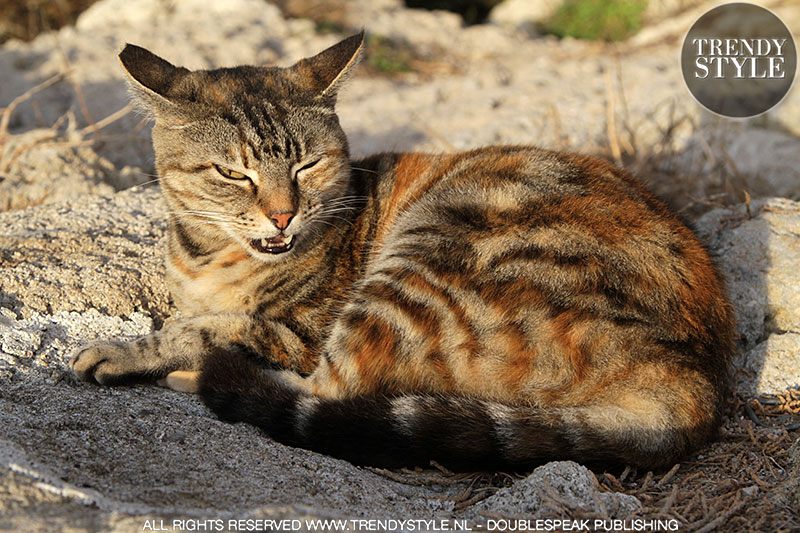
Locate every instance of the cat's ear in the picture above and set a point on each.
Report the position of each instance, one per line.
(325, 73)
(150, 77)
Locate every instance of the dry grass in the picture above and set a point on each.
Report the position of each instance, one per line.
(62, 133)
(732, 485)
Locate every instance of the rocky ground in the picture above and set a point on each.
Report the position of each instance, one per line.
(82, 229)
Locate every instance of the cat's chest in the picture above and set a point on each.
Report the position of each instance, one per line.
(228, 282)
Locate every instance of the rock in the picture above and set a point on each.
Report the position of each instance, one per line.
(43, 166)
(34, 499)
(658, 10)
(523, 14)
(552, 487)
(94, 252)
(45, 340)
(17, 340)
(773, 363)
(759, 256)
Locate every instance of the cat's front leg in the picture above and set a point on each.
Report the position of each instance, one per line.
(180, 346)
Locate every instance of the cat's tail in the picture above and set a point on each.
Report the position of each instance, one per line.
(459, 432)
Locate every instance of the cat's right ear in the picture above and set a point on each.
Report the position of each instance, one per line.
(150, 78)
(324, 74)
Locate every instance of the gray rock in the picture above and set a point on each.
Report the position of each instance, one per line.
(95, 252)
(44, 166)
(523, 14)
(759, 256)
(17, 340)
(43, 341)
(32, 498)
(553, 487)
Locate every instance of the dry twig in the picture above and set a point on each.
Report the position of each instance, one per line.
(6, 117)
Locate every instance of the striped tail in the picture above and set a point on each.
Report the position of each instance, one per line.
(462, 433)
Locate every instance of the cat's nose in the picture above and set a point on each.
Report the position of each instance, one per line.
(281, 220)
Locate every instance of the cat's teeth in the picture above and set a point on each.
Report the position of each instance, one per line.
(278, 244)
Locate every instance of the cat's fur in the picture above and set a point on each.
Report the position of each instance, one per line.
(488, 309)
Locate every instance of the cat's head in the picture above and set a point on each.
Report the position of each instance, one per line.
(250, 153)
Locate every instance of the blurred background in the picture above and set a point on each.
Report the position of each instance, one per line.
(589, 19)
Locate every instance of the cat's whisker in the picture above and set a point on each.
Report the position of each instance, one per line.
(346, 200)
(350, 197)
(211, 223)
(337, 210)
(143, 184)
(349, 222)
(365, 170)
(209, 217)
(331, 224)
(191, 212)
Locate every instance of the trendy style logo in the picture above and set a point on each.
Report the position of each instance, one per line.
(739, 60)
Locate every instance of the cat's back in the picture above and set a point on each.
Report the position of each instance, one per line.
(506, 195)
(516, 238)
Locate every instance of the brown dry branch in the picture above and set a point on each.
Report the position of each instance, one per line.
(669, 475)
(478, 495)
(68, 69)
(53, 137)
(110, 119)
(6, 117)
(611, 118)
(6, 165)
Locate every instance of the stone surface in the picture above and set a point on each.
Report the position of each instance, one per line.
(95, 252)
(759, 256)
(523, 14)
(44, 166)
(553, 487)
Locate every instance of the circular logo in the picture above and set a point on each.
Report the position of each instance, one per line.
(739, 60)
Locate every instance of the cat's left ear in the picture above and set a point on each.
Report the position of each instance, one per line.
(325, 73)
(151, 78)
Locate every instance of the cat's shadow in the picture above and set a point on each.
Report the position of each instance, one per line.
(365, 142)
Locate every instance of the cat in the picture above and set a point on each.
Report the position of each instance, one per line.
(490, 309)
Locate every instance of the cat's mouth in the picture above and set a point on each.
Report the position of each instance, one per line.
(274, 245)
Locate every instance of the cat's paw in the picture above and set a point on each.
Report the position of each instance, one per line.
(182, 381)
(107, 363)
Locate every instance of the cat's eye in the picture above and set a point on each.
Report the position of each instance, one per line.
(308, 166)
(231, 174)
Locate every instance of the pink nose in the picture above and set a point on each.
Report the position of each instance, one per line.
(281, 220)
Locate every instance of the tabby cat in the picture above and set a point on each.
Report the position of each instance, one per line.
(495, 308)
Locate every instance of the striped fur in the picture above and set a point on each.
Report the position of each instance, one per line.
(489, 309)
